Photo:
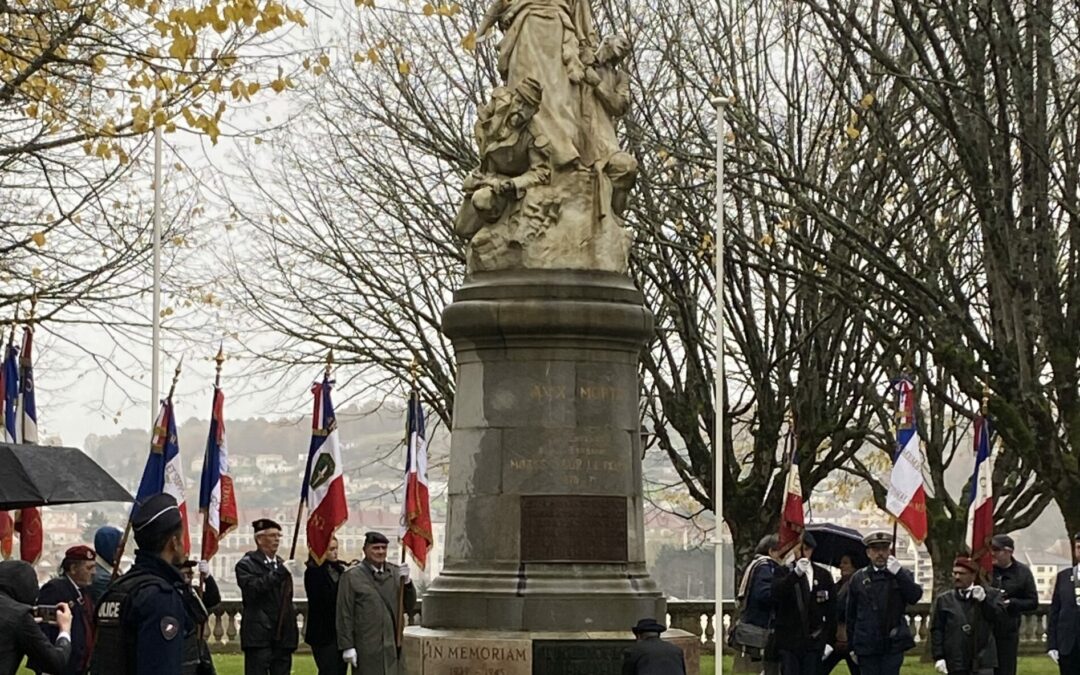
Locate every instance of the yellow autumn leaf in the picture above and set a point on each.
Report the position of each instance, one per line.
(403, 68)
(258, 140)
(324, 61)
(428, 10)
(253, 88)
(99, 63)
(852, 132)
(36, 272)
(39, 239)
(766, 240)
(867, 100)
(469, 41)
(358, 57)
(278, 85)
(373, 55)
(31, 110)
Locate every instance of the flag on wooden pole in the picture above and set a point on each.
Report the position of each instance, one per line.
(28, 521)
(981, 510)
(792, 518)
(324, 482)
(164, 471)
(906, 499)
(416, 536)
(9, 395)
(217, 499)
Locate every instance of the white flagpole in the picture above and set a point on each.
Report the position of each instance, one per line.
(718, 441)
(155, 358)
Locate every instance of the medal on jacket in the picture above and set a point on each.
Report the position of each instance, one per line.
(966, 628)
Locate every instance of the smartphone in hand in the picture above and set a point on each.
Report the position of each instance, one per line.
(44, 614)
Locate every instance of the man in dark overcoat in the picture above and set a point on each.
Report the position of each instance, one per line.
(268, 631)
(963, 622)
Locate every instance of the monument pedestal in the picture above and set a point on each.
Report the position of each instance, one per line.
(545, 550)
(429, 651)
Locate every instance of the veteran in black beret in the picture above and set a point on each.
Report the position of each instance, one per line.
(1017, 585)
(367, 605)
(805, 598)
(1063, 629)
(650, 655)
(144, 625)
(964, 622)
(877, 599)
(268, 632)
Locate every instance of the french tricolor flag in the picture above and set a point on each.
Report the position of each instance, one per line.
(415, 532)
(28, 524)
(164, 471)
(981, 511)
(324, 482)
(906, 499)
(217, 499)
(792, 519)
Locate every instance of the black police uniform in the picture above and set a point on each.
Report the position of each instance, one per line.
(144, 625)
(1017, 586)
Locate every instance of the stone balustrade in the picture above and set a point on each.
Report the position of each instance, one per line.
(696, 618)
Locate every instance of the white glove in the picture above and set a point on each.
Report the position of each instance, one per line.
(403, 572)
(802, 566)
(978, 593)
(1053, 654)
(204, 568)
(825, 654)
(349, 656)
(941, 667)
(854, 658)
(893, 565)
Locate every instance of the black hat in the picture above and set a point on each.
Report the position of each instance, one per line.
(157, 515)
(648, 626)
(808, 540)
(877, 539)
(1002, 542)
(966, 563)
(263, 524)
(375, 538)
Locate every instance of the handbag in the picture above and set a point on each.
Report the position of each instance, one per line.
(749, 636)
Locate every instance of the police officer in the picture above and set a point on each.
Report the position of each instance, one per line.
(268, 632)
(963, 622)
(1017, 586)
(1063, 631)
(878, 596)
(143, 621)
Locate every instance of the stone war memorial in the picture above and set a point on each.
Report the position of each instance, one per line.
(545, 555)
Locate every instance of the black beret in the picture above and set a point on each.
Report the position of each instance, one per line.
(1003, 542)
(877, 539)
(375, 538)
(157, 515)
(263, 524)
(808, 540)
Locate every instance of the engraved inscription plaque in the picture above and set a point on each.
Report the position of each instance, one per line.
(578, 657)
(573, 528)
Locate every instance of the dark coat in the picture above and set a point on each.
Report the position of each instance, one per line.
(266, 590)
(1063, 630)
(19, 635)
(211, 594)
(62, 589)
(321, 585)
(1017, 586)
(150, 607)
(759, 602)
(653, 656)
(962, 630)
(875, 613)
(805, 616)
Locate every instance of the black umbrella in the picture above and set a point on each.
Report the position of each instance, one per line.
(41, 475)
(835, 542)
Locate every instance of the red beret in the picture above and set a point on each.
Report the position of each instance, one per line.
(967, 563)
(79, 552)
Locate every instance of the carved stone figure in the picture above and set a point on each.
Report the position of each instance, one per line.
(552, 181)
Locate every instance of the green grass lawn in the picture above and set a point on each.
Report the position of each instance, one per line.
(233, 664)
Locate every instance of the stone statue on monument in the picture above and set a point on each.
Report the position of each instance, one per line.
(570, 178)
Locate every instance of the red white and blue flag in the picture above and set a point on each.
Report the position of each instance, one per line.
(324, 482)
(981, 511)
(9, 425)
(164, 472)
(906, 499)
(217, 498)
(28, 522)
(416, 536)
(792, 518)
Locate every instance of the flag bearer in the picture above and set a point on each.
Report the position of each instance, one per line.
(268, 631)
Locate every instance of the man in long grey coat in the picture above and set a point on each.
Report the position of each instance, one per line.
(367, 608)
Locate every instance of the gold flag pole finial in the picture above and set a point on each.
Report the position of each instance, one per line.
(414, 370)
(33, 308)
(985, 400)
(176, 376)
(329, 362)
(218, 360)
